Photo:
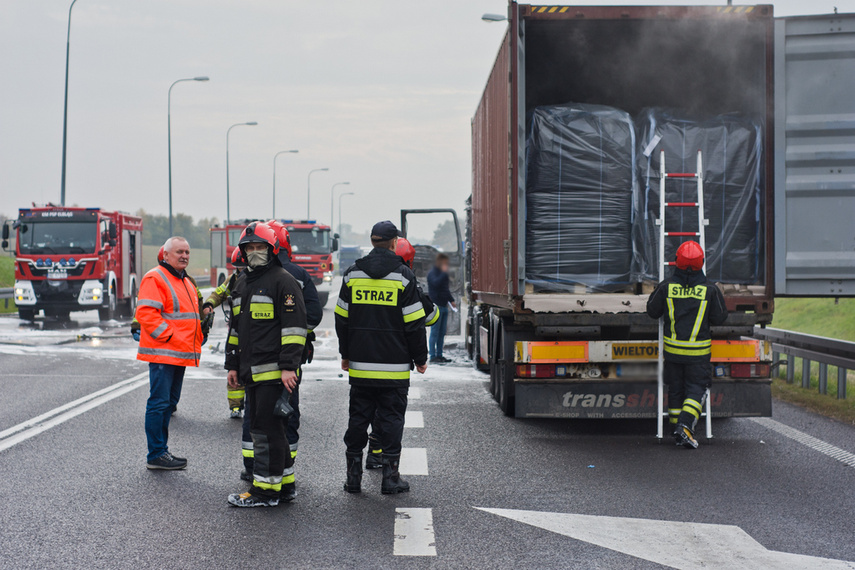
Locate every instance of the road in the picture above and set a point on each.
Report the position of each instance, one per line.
(557, 494)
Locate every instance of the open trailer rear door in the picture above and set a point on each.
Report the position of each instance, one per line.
(815, 156)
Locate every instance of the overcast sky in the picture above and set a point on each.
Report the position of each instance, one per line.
(380, 92)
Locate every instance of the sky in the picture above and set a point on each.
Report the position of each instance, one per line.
(380, 92)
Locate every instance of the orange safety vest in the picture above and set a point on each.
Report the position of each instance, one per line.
(168, 313)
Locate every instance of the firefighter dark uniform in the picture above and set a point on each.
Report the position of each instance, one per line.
(314, 314)
(689, 304)
(407, 253)
(217, 297)
(267, 334)
(380, 323)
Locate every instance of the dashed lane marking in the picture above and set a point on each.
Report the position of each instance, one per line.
(414, 534)
(414, 461)
(414, 420)
(415, 393)
(840, 455)
(30, 428)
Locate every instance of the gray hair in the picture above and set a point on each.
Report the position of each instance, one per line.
(167, 245)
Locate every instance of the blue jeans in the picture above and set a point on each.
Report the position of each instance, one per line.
(437, 333)
(165, 382)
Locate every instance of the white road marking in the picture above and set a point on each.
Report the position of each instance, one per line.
(414, 420)
(414, 532)
(30, 428)
(816, 444)
(709, 546)
(415, 393)
(414, 461)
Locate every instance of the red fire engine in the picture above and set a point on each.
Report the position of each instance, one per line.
(75, 259)
(311, 244)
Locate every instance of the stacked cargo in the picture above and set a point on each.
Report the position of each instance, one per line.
(590, 228)
(580, 188)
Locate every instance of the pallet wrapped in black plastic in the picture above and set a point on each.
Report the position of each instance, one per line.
(732, 148)
(579, 197)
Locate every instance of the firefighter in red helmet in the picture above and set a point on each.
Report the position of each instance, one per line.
(267, 334)
(690, 304)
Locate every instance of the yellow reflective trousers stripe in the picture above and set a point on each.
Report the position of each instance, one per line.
(376, 374)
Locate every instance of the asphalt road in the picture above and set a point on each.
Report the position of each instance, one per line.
(78, 494)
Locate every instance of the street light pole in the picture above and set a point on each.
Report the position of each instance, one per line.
(169, 138)
(228, 196)
(339, 208)
(274, 176)
(332, 199)
(65, 106)
(309, 192)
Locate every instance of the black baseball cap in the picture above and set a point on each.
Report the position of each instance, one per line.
(385, 230)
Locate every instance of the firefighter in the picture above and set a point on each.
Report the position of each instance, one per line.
(267, 334)
(380, 323)
(217, 297)
(689, 304)
(314, 314)
(407, 253)
(170, 340)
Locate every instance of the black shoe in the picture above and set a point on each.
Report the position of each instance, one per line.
(374, 459)
(246, 475)
(288, 492)
(236, 414)
(167, 462)
(354, 473)
(249, 500)
(184, 459)
(392, 482)
(434, 360)
(684, 436)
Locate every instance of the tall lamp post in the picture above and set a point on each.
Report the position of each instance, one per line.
(309, 192)
(65, 105)
(168, 140)
(274, 175)
(339, 208)
(332, 199)
(228, 196)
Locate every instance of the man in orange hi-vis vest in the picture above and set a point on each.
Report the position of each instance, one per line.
(170, 340)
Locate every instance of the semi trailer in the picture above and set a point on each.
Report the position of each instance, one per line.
(561, 231)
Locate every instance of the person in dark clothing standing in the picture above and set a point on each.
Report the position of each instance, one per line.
(440, 293)
(380, 323)
(689, 304)
(267, 334)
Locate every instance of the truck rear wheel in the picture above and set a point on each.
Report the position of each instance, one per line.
(502, 367)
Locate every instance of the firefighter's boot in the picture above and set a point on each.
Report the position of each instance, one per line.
(354, 473)
(392, 482)
(683, 435)
(288, 492)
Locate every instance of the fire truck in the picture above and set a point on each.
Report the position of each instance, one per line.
(311, 244)
(75, 259)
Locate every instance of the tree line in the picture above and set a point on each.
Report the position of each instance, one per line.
(156, 229)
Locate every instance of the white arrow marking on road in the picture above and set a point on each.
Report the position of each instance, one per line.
(677, 544)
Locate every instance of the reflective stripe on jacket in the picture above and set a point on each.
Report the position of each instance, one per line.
(689, 304)
(168, 314)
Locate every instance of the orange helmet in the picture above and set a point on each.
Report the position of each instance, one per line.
(282, 233)
(690, 255)
(160, 254)
(259, 232)
(237, 258)
(405, 251)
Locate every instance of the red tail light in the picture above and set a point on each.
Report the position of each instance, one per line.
(536, 370)
(749, 370)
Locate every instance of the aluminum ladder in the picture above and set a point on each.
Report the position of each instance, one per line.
(698, 176)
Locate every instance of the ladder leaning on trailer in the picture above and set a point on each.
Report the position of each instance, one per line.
(661, 412)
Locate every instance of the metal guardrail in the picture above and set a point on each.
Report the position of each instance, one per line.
(6, 295)
(811, 348)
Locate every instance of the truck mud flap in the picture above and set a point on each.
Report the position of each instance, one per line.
(604, 399)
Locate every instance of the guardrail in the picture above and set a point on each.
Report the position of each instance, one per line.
(7, 294)
(811, 348)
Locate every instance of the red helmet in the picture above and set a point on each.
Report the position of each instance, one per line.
(259, 232)
(160, 254)
(406, 251)
(690, 255)
(237, 258)
(282, 233)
